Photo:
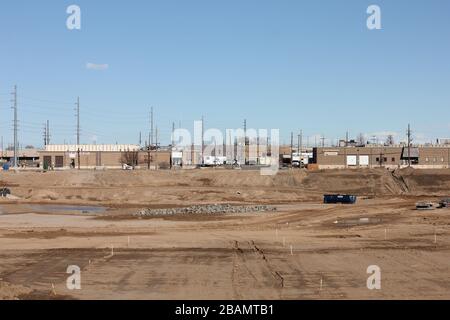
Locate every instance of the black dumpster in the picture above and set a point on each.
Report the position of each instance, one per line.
(339, 198)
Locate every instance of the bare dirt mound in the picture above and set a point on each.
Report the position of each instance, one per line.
(211, 186)
(359, 182)
(426, 182)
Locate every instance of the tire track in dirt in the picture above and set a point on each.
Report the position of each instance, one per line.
(252, 272)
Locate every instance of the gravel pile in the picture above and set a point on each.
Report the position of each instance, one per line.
(204, 209)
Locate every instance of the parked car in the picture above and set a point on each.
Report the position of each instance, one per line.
(444, 203)
(424, 206)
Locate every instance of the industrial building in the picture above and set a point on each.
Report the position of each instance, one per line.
(25, 157)
(371, 156)
(112, 156)
(115, 156)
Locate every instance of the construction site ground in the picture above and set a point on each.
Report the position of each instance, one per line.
(304, 250)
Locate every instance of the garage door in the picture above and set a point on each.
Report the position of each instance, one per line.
(351, 160)
(363, 160)
(59, 161)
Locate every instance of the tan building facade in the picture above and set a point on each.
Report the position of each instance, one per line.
(422, 157)
(102, 157)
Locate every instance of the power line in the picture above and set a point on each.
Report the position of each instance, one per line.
(45, 100)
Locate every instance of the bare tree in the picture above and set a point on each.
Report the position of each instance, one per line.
(130, 158)
(361, 140)
(390, 140)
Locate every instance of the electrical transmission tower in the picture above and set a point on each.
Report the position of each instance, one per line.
(45, 134)
(173, 135)
(77, 110)
(408, 133)
(300, 143)
(292, 148)
(203, 141)
(14, 101)
(245, 141)
(151, 128)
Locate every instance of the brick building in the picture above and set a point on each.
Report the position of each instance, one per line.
(102, 157)
(425, 157)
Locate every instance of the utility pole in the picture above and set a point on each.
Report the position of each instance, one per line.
(409, 145)
(203, 141)
(381, 159)
(173, 135)
(79, 158)
(15, 124)
(151, 127)
(301, 141)
(77, 109)
(140, 138)
(292, 146)
(345, 149)
(172, 145)
(245, 141)
(48, 132)
(156, 148)
(323, 141)
(44, 135)
(301, 149)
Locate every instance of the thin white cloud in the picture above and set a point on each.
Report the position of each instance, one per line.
(97, 67)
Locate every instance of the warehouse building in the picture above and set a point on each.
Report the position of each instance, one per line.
(421, 157)
(26, 158)
(112, 156)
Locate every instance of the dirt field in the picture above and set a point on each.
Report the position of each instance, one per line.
(305, 250)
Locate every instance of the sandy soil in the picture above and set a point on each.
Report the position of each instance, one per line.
(246, 256)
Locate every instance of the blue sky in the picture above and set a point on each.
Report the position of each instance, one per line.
(292, 65)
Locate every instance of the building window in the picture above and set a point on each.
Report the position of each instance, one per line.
(427, 160)
(378, 159)
(393, 159)
(385, 159)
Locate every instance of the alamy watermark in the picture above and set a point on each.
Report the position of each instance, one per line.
(374, 20)
(73, 22)
(234, 147)
(74, 280)
(374, 280)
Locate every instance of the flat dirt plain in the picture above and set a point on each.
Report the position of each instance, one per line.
(304, 250)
